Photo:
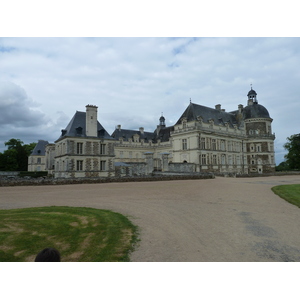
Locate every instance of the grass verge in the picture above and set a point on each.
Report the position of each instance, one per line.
(290, 193)
(80, 234)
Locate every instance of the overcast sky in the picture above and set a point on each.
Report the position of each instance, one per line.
(44, 81)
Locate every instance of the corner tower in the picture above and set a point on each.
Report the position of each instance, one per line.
(260, 140)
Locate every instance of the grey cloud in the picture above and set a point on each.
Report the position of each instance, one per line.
(17, 109)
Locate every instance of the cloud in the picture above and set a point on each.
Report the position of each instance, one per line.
(133, 80)
(17, 110)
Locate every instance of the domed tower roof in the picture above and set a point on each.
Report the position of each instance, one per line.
(251, 92)
(255, 111)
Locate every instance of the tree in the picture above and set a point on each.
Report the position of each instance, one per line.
(293, 148)
(15, 158)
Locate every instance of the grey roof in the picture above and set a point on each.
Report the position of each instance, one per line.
(255, 111)
(206, 113)
(251, 92)
(77, 127)
(164, 134)
(39, 149)
(127, 134)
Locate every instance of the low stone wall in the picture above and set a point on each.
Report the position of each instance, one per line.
(56, 181)
(182, 167)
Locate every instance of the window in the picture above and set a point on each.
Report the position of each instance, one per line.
(79, 148)
(229, 159)
(203, 159)
(202, 143)
(238, 160)
(184, 144)
(79, 165)
(102, 165)
(103, 149)
(214, 159)
(223, 145)
(223, 159)
(39, 160)
(214, 144)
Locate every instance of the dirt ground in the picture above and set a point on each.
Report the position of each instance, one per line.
(211, 220)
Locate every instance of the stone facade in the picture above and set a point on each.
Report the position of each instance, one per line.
(203, 140)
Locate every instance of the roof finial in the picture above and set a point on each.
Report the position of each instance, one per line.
(190, 100)
(251, 85)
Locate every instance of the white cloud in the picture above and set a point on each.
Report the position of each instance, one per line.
(133, 80)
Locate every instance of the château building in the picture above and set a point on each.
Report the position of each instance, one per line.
(203, 140)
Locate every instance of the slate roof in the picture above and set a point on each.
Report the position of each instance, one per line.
(39, 149)
(255, 111)
(163, 134)
(77, 127)
(207, 113)
(127, 134)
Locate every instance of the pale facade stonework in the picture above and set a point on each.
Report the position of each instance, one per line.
(202, 140)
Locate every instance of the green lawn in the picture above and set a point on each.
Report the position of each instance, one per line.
(290, 193)
(79, 233)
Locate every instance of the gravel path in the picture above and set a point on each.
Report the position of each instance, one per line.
(213, 220)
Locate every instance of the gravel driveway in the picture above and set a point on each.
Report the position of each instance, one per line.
(212, 220)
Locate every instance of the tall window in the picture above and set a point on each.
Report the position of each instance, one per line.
(202, 143)
(223, 160)
(102, 165)
(103, 149)
(223, 145)
(214, 159)
(203, 159)
(184, 144)
(79, 148)
(79, 165)
(214, 144)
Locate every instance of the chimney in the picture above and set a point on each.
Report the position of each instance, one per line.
(142, 130)
(240, 108)
(119, 127)
(91, 121)
(218, 107)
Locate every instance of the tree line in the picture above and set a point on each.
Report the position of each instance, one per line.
(292, 158)
(15, 158)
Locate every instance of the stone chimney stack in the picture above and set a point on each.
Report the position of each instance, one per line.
(91, 121)
(142, 130)
(119, 127)
(218, 107)
(240, 108)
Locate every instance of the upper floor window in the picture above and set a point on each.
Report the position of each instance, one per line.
(202, 143)
(214, 144)
(79, 148)
(184, 144)
(103, 149)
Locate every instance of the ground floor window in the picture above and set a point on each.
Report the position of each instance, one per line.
(79, 165)
(203, 159)
(102, 165)
(214, 159)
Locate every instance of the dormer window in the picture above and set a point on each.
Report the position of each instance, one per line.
(79, 130)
